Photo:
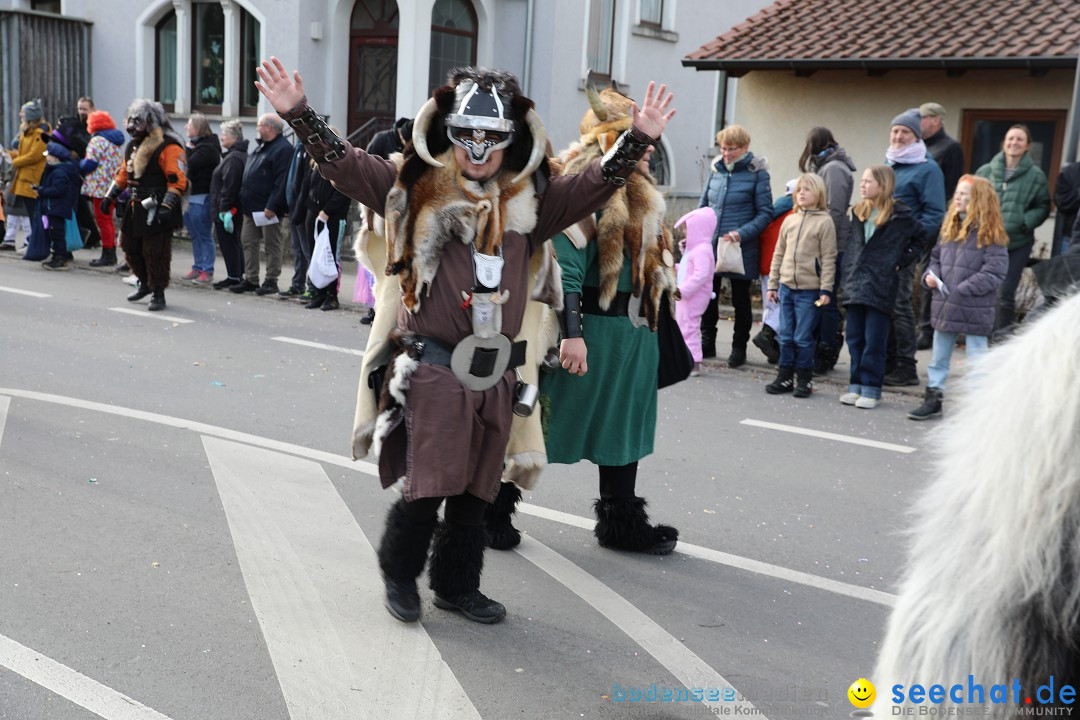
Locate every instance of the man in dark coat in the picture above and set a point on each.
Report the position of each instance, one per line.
(391, 141)
(1067, 201)
(225, 184)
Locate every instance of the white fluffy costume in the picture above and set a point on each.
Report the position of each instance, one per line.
(991, 585)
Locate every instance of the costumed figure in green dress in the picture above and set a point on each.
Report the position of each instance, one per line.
(600, 404)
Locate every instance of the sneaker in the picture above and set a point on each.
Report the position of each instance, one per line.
(867, 403)
(243, 287)
(902, 377)
(57, 263)
(226, 283)
(849, 398)
(370, 318)
(192, 274)
(696, 371)
(7, 247)
(131, 280)
(290, 293)
(205, 278)
(269, 287)
(305, 297)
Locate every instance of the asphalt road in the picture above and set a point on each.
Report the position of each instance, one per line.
(185, 537)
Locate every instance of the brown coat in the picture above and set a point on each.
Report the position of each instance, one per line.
(805, 255)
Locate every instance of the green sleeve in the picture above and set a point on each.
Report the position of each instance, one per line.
(572, 261)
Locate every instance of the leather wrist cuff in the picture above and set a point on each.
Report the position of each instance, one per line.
(113, 191)
(570, 317)
(620, 160)
(321, 143)
(171, 200)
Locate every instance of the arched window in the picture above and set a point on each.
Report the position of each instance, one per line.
(165, 61)
(250, 55)
(659, 166)
(453, 39)
(207, 57)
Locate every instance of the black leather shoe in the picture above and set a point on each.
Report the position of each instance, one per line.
(737, 357)
(267, 288)
(157, 302)
(243, 287)
(901, 377)
(402, 599)
(474, 605)
(139, 294)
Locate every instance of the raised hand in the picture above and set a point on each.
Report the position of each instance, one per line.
(283, 92)
(653, 115)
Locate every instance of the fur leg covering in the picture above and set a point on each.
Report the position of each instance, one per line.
(157, 251)
(457, 560)
(622, 523)
(402, 552)
(501, 533)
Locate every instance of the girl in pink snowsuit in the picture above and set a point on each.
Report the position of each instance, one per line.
(695, 272)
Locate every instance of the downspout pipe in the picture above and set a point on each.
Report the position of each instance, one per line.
(530, 9)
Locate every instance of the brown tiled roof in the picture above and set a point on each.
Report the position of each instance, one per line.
(896, 34)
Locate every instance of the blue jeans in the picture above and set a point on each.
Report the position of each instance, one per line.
(197, 222)
(944, 342)
(798, 316)
(867, 340)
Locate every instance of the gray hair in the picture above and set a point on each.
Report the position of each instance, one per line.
(273, 121)
(233, 128)
(200, 125)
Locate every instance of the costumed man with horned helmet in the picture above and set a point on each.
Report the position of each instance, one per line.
(155, 172)
(465, 209)
(617, 269)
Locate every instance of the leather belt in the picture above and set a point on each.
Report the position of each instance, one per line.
(436, 352)
(590, 303)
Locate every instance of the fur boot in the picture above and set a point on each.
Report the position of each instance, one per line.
(457, 559)
(498, 517)
(623, 524)
(402, 551)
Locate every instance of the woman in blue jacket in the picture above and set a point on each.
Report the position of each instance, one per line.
(737, 188)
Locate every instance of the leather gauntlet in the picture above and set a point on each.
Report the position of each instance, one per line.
(570, 317)
(321, 143)
(619, 161)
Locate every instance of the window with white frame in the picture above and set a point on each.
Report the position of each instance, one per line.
(165, 64)
(652, 13)
(600, 44)
(453, 39)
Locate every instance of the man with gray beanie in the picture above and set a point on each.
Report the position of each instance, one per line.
(920, 185)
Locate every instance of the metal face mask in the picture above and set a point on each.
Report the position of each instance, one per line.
(480, 125)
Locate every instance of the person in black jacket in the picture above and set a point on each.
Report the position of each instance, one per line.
(203, 155)
(326, 207)
(58, 195)
(301, 243)
(224, 202)
(391, 141)
(1067, 202)
(263, 195)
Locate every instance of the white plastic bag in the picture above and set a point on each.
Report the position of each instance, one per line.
(729, 258)
(323, 269)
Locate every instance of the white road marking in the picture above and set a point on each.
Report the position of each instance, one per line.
(735, 561)
(152, 315)
(829, 436)
(319, 346)
(683, 663)
(29, 293)
(76, 687)
(316, 590)
(201, 428)
(5, 403)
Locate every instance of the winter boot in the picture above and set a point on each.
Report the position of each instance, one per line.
(768, 344)
(931, 407)
(317, 301)
(784, 382)
(737, 358)
(623, 524)
(108, 258)
(457, 559)
(804, 384)
(708, 343)
(157, 302)
(140, 292)
(501, 534)
(402, 552)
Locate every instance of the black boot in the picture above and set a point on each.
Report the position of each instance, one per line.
(737, 358)
(708, 343)
(804, 383)
(402, 552)
(501, 534)
(457, 559)
(317, 301)
(622, 523)
(108, 258)
(784, 382)
(766, 342)
(157, 302)
(140, 292)
(931, 407)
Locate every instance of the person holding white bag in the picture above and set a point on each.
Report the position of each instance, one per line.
(327, 214)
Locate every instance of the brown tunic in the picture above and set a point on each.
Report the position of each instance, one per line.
(453, 440)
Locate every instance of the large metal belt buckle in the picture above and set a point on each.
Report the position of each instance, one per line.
(633, 311)
(479, 363)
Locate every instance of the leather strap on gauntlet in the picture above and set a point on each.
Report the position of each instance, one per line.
(620, 160)
(321, 143)
(570, 317)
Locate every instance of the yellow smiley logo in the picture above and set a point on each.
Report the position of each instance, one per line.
(862, 693)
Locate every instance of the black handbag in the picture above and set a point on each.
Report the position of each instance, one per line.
(676, 362)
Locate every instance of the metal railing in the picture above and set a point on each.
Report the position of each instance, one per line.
(361, 136)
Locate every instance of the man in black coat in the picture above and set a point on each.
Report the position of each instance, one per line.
(299, 167)
(388, 142)
(1067, 202)
(262, 201)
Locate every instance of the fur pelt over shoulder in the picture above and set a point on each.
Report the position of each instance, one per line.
(991, 587)
(631, 221)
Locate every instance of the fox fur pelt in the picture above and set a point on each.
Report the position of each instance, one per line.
(992, 580)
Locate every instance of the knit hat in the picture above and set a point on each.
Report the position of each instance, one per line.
(99, 120)
(911, 119)
(57, 150)
(32, 110)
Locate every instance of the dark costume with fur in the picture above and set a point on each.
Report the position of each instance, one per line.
(443, 439)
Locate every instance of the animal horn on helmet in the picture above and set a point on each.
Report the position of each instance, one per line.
(420, 130)
(596, 103)
(539, 148)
